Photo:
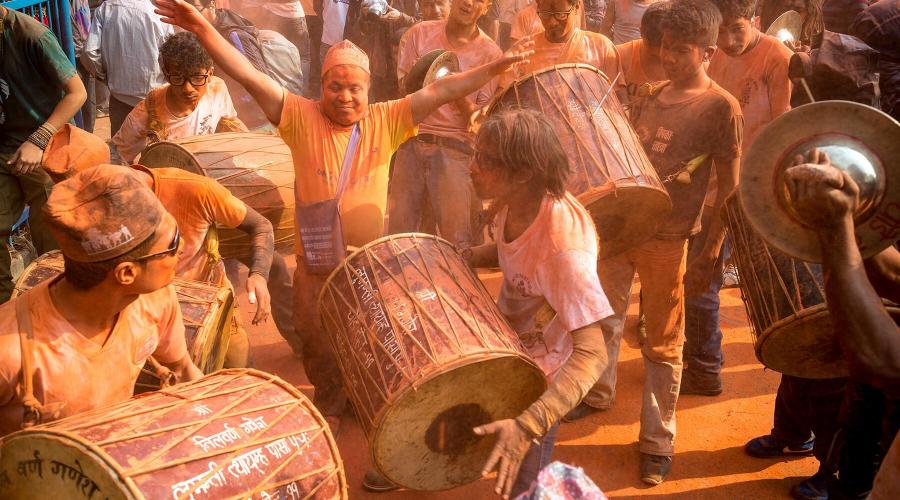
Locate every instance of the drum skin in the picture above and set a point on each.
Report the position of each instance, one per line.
(256, 168)
(425, 356)
(206, 312)
(235, 434)
(611, 174)
(785, 301)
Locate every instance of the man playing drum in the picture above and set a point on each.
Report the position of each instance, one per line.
(319, 135)
(79, 341)
(687, 122)
(547, 249)
(434, 166)
(198, 204)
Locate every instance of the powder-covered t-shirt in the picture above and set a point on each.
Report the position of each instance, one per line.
(550, 285)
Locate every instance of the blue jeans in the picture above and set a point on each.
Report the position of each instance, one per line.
(537, 458)
(703, 336)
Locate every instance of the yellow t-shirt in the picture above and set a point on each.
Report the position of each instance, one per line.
(318, 146)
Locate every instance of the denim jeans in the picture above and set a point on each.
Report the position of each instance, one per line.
(661, 266)
(806, 407)
(430, 173)
(537, 458)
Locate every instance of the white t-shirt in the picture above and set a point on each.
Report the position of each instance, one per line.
(550, 285)
(334, 16)
(213, 106)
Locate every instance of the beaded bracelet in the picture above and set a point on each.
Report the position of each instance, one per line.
(41, 137)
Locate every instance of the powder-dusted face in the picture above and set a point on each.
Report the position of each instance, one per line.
(467, 12)
(189, 92)
(735, 35)
(434, 10)
(345, 94)
(681, 59)
(557, 24)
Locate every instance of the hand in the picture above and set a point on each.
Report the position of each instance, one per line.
(506, 457)
(796, 46)
(258, 293)
(823, 196)
(181, 14)
(392, 14)
(27, 158)
(700, 273)
(516, 55)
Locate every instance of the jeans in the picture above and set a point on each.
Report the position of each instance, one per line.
(118, 111)
(280, 287)
(16, 191)
(537, 458)
(703, 336)
(806, 407)
(429, 173)
(661, 267)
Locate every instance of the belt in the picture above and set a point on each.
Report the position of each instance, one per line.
(445, 142)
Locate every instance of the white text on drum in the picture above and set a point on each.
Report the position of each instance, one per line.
(218, 440)
(204, 480)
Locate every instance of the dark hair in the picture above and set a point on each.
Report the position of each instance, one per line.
(183, 51)
(87, 275)
(526, 141)
(692, 21)
(736, 9)
(651, 23)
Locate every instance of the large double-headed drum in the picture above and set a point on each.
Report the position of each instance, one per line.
(256, 168)
(611, 174)
(785, 300)
(205, 310)
(234, 434)
(425, 355)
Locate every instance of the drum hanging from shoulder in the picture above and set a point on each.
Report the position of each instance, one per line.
(785, 301)
(234, 434)
(425, 356)
(256, 168)
(611, 174)
(205, 310)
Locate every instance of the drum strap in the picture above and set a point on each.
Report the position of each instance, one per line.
(33, 408)
(156, 131)
(211, 247)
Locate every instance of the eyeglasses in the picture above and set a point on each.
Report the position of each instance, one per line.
(196, 80)
(173, 248)
(559, 16)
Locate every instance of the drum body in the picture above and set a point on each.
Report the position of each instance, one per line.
(425, 356)
(234, 434)
(256, 168)
(611, 174)
(785, 301)
(205, 310)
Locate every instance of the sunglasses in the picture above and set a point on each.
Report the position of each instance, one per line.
(559, 16)
(196, 80)
(171, 250)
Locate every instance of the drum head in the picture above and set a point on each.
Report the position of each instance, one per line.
(865, 141)
(424, 441)
(169, 154)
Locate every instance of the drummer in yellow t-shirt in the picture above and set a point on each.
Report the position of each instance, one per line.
(318, 134)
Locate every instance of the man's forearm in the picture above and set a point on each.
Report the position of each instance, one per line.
(262, 242)
(450, 88)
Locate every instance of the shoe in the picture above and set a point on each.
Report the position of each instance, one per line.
(581, 411)
(769, 446)
(814, 488)
(376, 483)
(689, 385)
(334, 424)
(730, 277)
(654, 468)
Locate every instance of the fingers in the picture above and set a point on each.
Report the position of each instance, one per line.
(512, 474)
(502, 474)
(493, 460)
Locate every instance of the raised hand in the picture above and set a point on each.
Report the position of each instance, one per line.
(181, 14)
(822, 195)
(518, 54)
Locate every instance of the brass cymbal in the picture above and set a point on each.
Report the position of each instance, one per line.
(444, 65)
(858, 139)
(786, 27)
(433, 65)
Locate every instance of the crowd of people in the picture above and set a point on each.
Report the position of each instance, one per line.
(380, 154)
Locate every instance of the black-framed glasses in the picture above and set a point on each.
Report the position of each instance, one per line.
(196, 80)
(559, 16)
(171, 250)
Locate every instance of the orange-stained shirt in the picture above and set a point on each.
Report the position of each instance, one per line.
(197, 203)
(635, 70)
(73, 374)
(584, 47)
(317, 147)
(427, 36)
(758, 79)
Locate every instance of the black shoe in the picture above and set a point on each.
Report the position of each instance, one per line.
(654, 468)
(581, 411)
(376, 483)
(814, 488)
(769, 446)
(689, 385)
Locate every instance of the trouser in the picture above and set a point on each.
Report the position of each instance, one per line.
(16, 191)
(118, 111)
(537, 458)
(440, 175)
(323, 50)
(661, 266)
(89, 108)
(238, 353)
(295, 30)
(806, 407)
(313, 82)
(703, 335)
(319, 361)
(280, 287)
